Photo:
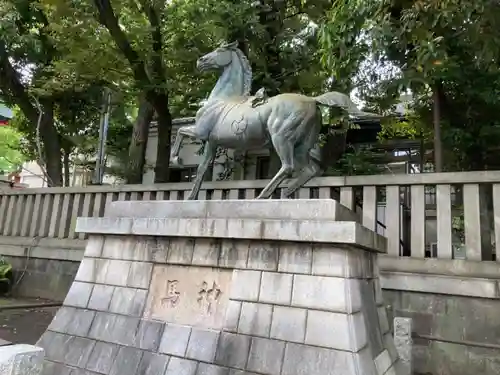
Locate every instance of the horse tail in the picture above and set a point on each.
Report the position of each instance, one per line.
(337, 99)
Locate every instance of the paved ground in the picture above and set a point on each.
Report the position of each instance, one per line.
(24, 325)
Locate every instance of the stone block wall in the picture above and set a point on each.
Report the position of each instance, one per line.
(454, 335)
(42, 278)
(43, 267)
(180, 306)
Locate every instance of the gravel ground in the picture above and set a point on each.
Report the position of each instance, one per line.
(24, 325)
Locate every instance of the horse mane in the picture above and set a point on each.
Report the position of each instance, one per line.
(247, 69)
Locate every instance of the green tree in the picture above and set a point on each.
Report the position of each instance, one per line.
(278, 37)
(445, 52)
(25, 44)
(134, 81)
(148, 68)
(56, 106)
(435, 43)
(68, 83)
(11, 158)
(149, 64)
(286, 61)
(148, 59)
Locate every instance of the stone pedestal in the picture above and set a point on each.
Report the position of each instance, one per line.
(403, 328)
(224, 287)
(21, 360)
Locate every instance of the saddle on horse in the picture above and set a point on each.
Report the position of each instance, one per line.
(260, 98)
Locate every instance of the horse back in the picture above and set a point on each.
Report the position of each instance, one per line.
(236, 124)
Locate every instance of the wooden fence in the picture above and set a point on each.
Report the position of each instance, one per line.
(462, 210)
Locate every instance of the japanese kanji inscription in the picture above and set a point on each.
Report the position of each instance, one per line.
(189, 295)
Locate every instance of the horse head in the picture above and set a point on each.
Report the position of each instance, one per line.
(218, 58)
(236, 78)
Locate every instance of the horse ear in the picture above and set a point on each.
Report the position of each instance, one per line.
(231, 45)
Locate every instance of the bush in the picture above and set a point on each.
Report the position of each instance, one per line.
(6, 276)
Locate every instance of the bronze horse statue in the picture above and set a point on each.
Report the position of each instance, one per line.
(233, 119)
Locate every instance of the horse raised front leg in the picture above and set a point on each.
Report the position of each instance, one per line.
(208, 158)
(184, 131)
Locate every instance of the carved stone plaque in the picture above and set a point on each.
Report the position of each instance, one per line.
(187, 295)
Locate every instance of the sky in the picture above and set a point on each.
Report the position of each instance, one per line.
(5, 112)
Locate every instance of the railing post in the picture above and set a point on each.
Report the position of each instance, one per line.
(10, 215)
(202, 195)
(233, 194)
(417, 221)
(347, 197)
(496, 219)
(65, 220)
(37, 214)
(3, 211)
(393, 220)
(55, 217)
(18, 210)
(444, 240)
(86, 210)
(370, 207)
(45, 219)
(217, 195)
(304, 193)
(28, 218)
(98, 202)
(325, 193)
(249, 193)
(472, 222)
(75, 212)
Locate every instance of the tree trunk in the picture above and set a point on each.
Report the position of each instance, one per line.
(438, 145)
(162, 167)
(51, 145)
(139, 142)
(67, 171)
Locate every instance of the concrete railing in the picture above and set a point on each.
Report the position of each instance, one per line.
(420, 203)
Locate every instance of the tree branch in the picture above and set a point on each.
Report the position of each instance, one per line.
(30, 16)
(298, 13)
(10, 82)
(107, 17)
(154, 20)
